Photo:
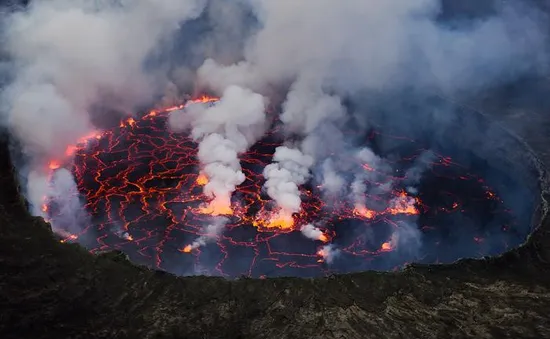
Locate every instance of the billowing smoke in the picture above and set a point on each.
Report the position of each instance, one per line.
(372, 166)
(223, 130)
(313, 233)
(304, 111)
(63, 191)
(289, 170)
(329, 50)
(69, 57)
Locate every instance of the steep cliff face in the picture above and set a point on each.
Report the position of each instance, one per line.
(50, 289)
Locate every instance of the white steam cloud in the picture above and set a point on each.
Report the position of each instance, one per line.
(223, 130)
(69, 56)
(62, 189)
(311, 232)
(211, 232)
(289, 170)
(328, 253)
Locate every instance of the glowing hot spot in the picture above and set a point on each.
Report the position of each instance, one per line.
(403, 204)
(367, 167)
(202, 179)
(282, 220)
(386, 247)
(324, 238)
(130, 122)
(322, 254)
(53, 165)
(364, 212)
(205, 99)
(69, 238)
(217, 207)
(71, 149)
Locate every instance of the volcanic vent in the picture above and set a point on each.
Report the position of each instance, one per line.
(431, 202)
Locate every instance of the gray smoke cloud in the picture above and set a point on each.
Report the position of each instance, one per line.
(62, 189)
(67, 57)
(328, 50)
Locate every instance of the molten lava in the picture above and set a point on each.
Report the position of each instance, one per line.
(281, 220)
(364, 212)
(218, 206)
(143, 188)
(53, 165)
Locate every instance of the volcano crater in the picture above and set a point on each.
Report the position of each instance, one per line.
(477, 195)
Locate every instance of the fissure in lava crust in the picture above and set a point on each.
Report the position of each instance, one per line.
(141, 187)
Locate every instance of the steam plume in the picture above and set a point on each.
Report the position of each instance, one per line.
(328, 253)
(223, 131)
(212, 231)
(313, 233)
(289, 170)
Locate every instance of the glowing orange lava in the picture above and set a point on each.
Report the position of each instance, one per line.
(281, 220)
(215, 209)
(386, 247)
(363, 211)
(322, 254)
(130, 122)
(72, 149)
(148, 178)
(70, 237)
(218, 206)
(205, 99)
(403, 204)
(53, 165)
(324, 238)
(202, 179)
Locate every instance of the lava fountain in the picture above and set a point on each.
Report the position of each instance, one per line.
(142, 188)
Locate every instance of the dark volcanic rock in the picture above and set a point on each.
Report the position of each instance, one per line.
(53, 290)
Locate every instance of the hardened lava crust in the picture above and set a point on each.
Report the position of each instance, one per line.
(50, 289)
(432, 198)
